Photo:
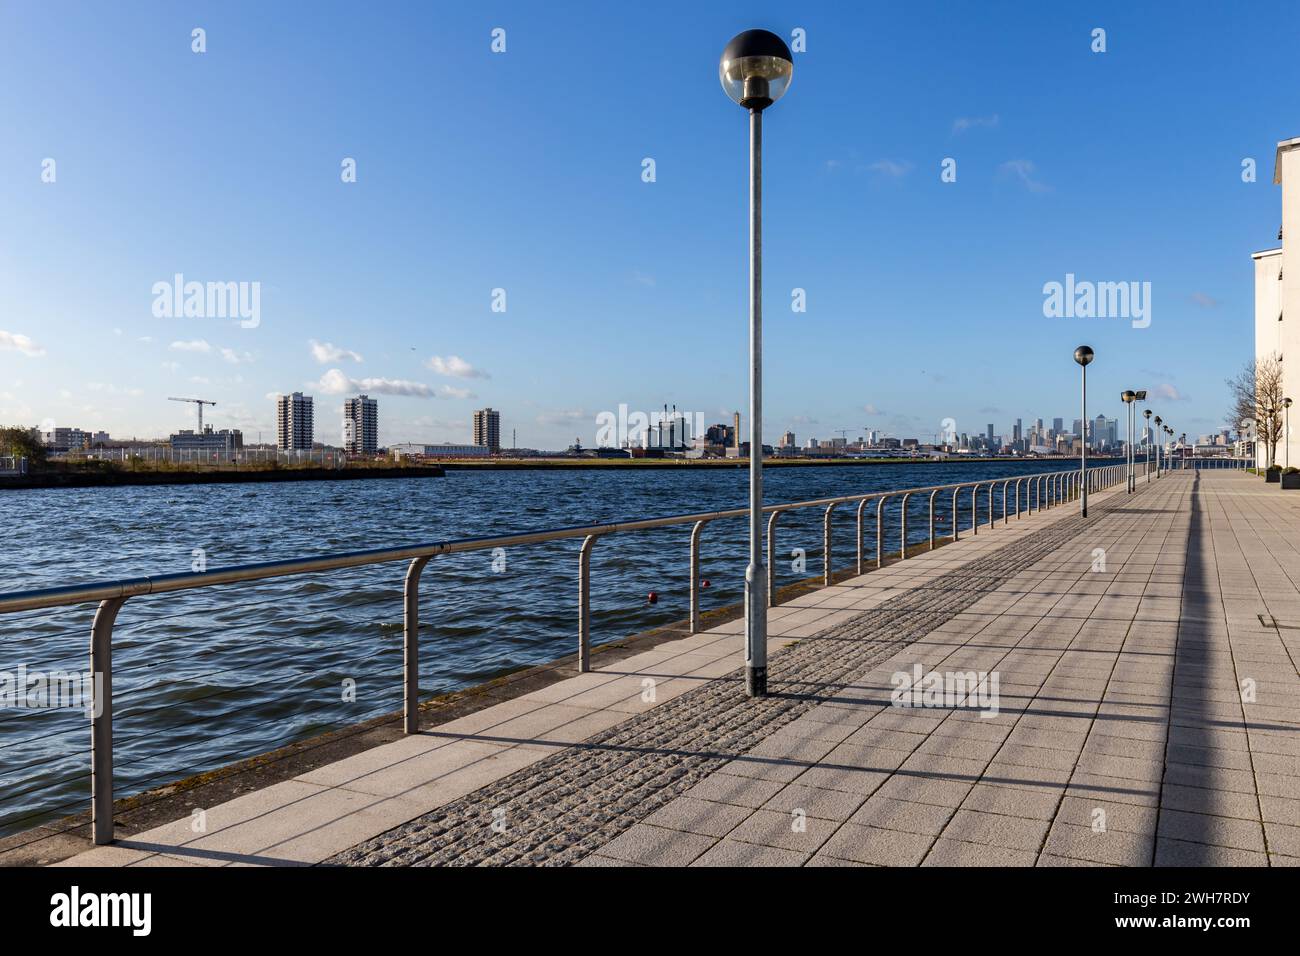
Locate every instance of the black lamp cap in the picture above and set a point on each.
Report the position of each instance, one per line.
(756, 43)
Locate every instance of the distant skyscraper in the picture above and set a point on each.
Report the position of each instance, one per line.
(361, 426)
(989, 432)
(487, 429)
(736, 428)
(293, 422)
(1058, 426)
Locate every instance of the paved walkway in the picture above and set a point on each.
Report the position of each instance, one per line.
(1120, 645)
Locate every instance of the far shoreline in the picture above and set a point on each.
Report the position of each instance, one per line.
(636, 464)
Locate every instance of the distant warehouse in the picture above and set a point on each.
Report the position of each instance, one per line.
(415, 450)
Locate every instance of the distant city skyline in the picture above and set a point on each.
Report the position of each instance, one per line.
(347, 239)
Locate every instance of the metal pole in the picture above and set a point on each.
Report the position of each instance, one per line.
(902, 530)
(101, 721)
(1083, 452)
(755, 600)
(827, 572)
(584, 604)
(1129, 460)
(695, 576)
(411, 646)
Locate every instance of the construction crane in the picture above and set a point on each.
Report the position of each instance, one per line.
(200, 402)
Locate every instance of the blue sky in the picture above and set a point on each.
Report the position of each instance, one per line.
(523, 171)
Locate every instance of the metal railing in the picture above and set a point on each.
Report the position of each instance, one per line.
(1040, 492)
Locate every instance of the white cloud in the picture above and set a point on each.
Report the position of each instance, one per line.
(236, 358)
(172, 367)
(1168, 391)
(324, 352)
(14, 342)
(893, 168)
(872, 410)
(643, 278)
(334, 382)
(562, 416)
(1024, 170)
(453, 366)
(194, 345)
(113, 390)
(448, 391)
(964, 123)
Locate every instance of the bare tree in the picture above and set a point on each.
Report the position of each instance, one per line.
(1255, 390)
(1242, 388)
(1268, 403)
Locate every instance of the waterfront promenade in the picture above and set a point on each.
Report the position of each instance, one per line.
(1121, 643)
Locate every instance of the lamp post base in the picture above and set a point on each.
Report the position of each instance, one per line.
(755, 681)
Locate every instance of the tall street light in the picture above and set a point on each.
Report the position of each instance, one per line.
(1272, 445)
(1083, 355)
(1128, 397)
(1286, 434)
(1158, 439)
(1146, 443)
(755, 71)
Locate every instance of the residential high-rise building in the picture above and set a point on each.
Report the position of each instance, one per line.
(487, 429)
(293, 422)
(361, 426)
(1277, 306)
(787, 440)
(736, 428)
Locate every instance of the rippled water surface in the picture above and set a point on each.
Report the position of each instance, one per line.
(205, 677)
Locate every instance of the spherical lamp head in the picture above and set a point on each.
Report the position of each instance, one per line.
(755, 69)
(1127, 396)
(1083, 355)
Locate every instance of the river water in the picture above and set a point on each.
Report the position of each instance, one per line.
(205, 677)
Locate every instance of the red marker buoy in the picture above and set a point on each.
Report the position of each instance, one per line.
(704, 583)
(652, 598)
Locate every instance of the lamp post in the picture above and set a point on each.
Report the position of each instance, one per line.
(1083, 355)
(1272, 445)
(755, 70)
(1128, 397)
(1286, 433)
(1158, 439)
(1146, 443)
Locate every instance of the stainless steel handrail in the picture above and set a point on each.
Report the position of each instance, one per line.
(111, 596)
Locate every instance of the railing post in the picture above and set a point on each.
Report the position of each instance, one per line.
(827, 572)
(992, 519)
(771, 559)
(411, 646)
(932, 494)
(902, 544)
(584, 604)
(695, 575)
(1006, 517)
(975, 508)
(1020, 481)
(101, 721)
(956, 515)
(880, 531)
(862, 568)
